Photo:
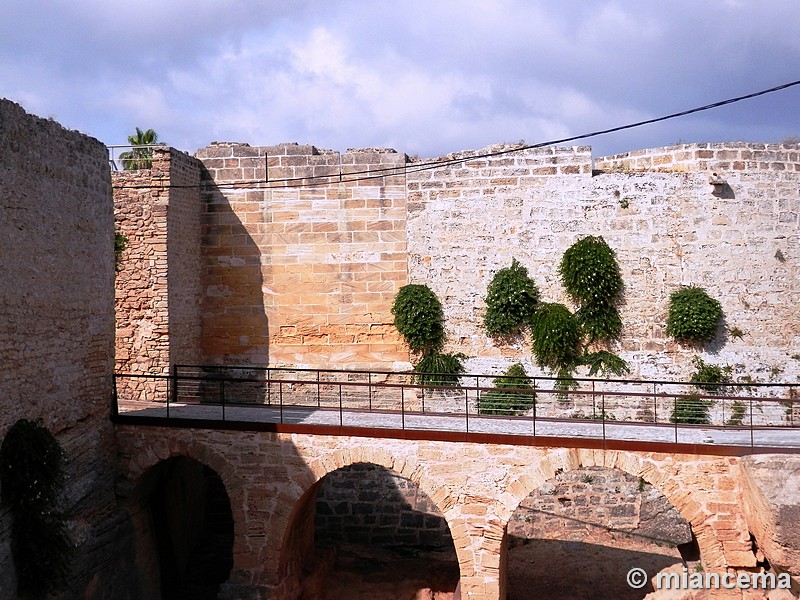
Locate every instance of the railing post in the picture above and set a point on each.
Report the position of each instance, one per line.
(269, 386)
(318, 391)
(655, 404)
(341, 412)
(222, 396)
(535, 402)
(594, 402)
(369, 389)
(752, 442)
(402, 406)
(175, 383)
(675, 413)
(602, 411)
(280, 399)
(466, 411)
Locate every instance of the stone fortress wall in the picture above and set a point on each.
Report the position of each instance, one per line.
(57, 334)
(302, 270)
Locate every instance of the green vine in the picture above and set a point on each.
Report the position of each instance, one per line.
(693, 315)
(500, 402)
(31, 476)
(511, 299)
(419, 318)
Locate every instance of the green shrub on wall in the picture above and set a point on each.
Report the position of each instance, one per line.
(556, 337)
(419, 318)
(511, 299)
(439, 369)
(693, 315)
(31, 476)
(518, 399)
(591, 277)
(710, 378)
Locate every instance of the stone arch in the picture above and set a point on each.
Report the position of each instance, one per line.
(159, 449)
(661, 475)
(151, 450)
(405, 466)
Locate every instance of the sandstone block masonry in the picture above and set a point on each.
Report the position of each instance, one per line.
(57, 332)
(304, 271)
(303, 251)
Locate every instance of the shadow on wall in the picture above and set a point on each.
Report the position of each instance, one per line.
(235, 329)
(363, 531)
(579, 534)
(184, 531)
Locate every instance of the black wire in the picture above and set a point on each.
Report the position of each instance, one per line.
(320, 180)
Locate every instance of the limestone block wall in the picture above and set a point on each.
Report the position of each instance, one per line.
(367, 504)
(57, 330)
(158, 283)
(667, 224)
(302, 275)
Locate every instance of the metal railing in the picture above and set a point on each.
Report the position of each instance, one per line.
(751, 415)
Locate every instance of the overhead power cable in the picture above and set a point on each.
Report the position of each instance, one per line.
(355, 176)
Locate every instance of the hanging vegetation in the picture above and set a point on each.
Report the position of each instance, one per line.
(556, 337)
(439, 369)
(693, 315)
(31, 476)
(511, 299)
(591, 277)
(419, 318)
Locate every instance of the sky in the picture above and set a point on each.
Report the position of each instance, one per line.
(425, 77)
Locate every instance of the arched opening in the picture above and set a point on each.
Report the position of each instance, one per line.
(364, 531)
(581, 532)
(185, 531)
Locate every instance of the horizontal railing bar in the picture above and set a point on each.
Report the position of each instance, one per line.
(487, 376)
(460, 388)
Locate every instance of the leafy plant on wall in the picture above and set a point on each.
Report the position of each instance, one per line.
(419, 318)
(693, 316)
(591, 277)
(511, 300)
(31, 476)
(513, 394)
(711, 379)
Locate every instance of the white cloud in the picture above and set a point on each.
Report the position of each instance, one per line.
(424, 77)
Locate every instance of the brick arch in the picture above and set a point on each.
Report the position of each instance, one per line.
(660, 473)
(319, 468)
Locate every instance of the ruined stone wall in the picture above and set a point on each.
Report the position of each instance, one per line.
(667, 224)
(158, 283)
(57, 330)
(302, 275)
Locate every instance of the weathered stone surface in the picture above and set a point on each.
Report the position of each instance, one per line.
(771, 501)
(57, 332)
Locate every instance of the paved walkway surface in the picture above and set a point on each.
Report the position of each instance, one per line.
(773, 437)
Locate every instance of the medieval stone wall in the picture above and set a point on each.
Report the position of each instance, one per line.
(57, 330)
(668, 225)
(158, 283)
(302, 274)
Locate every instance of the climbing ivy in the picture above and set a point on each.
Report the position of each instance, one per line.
(31, 476)
(511, 299)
